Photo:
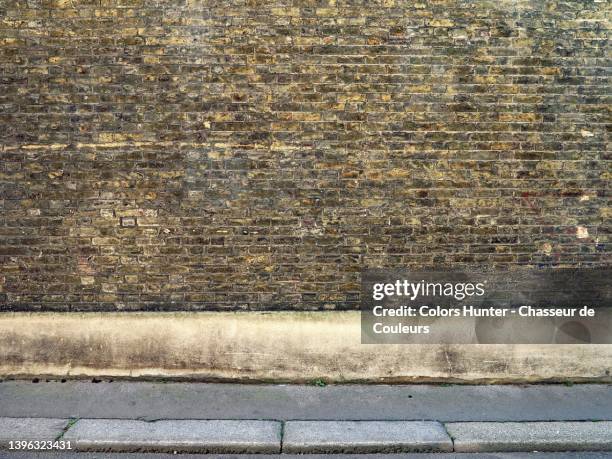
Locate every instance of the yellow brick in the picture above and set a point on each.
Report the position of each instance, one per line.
(285, 11)
(440, 23)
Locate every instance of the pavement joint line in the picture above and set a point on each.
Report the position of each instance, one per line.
(69, 423)
(449, 435)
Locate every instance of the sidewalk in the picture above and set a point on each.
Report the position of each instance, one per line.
(285, 419)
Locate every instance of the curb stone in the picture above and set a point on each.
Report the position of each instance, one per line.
(219, 436)
(365, 437)
(357, 437)
(531, 436)
(30, 429)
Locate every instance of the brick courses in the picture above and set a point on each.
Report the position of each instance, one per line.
(240, 154)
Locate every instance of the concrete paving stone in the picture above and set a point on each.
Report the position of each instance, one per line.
(531, 436)
(176, 435)
(30, 429)
(364, 437)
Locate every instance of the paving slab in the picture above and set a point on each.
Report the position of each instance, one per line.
(531, 436)
(30, 429)
(175, 400)
(175, 436)
(364, 437)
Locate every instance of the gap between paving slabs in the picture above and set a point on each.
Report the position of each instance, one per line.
(69, 424)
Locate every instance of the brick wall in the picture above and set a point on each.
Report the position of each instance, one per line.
(259, 155)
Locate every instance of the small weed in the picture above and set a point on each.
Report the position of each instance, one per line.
(71, 422)
(319, 383)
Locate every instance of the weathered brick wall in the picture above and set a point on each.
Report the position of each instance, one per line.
(249, 154)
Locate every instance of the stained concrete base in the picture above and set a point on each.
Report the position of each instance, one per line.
(278, 346)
